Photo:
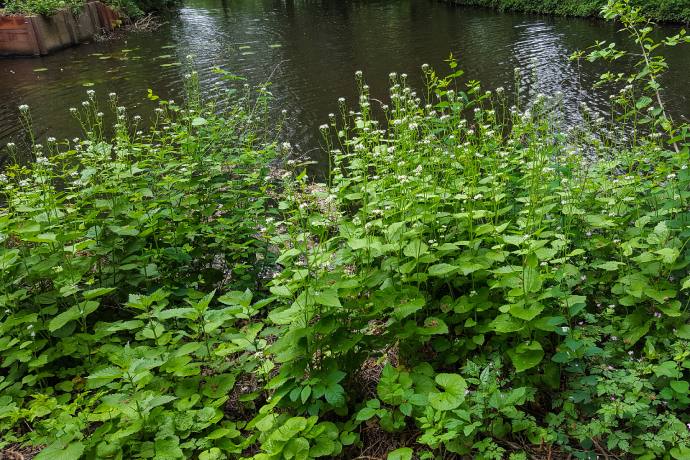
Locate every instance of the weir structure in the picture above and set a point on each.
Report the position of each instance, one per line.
(37, 35)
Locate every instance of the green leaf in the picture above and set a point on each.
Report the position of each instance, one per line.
(168, 449)
(280, 291)
(327, 297)
(366, 413)
(335, 395)
(505, 323)
(416, 249)
(408, 308)
(71, 314)
(643, 102)
(680, 386)
(403, 453)
(442, 269)
(103, 377)
(199, 121)
(526, 355)
(297, 448)
(683, 332)
(527, 313)
(679, 453)
(433, 325)
(610, 266)
(218, 386)
(453, 393)
(61, 451)
(98, 292)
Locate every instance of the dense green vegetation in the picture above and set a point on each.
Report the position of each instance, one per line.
(131, 8)
(472, 279)
(662, 10)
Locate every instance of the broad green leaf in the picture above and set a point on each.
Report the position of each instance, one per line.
(327, 297)
(442, 269)
(408, 308)
(526, 355)
(527, 313)
(403, 453)
(415, 248)
(61, 451)
(680, 386)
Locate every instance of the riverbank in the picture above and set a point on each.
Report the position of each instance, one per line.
(473, 279)
(658, 10)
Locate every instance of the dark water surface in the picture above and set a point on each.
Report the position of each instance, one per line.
(312, 49)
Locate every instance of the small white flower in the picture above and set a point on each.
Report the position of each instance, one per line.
(24, 108)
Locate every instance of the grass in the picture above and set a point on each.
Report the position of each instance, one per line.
(472, 279)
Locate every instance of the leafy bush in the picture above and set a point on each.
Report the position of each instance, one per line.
(115, 339)
(473, 280)
(44, 7)
(131, 8)
(662, 10)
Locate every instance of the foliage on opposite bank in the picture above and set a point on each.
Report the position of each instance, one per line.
(661, 10)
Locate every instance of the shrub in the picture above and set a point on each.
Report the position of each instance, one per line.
(472, 280)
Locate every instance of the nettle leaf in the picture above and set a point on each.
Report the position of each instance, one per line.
(526, 355)
(103, 377)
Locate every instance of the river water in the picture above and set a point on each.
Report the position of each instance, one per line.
(311, 49)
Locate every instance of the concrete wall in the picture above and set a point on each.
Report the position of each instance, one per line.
(39, 35)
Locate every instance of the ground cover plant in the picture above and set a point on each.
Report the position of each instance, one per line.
(473, 280)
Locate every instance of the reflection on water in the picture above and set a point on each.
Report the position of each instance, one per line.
(312, 49)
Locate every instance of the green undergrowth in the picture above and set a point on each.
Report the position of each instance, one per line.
(661, 10)
(473, 280)
(130, 8)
